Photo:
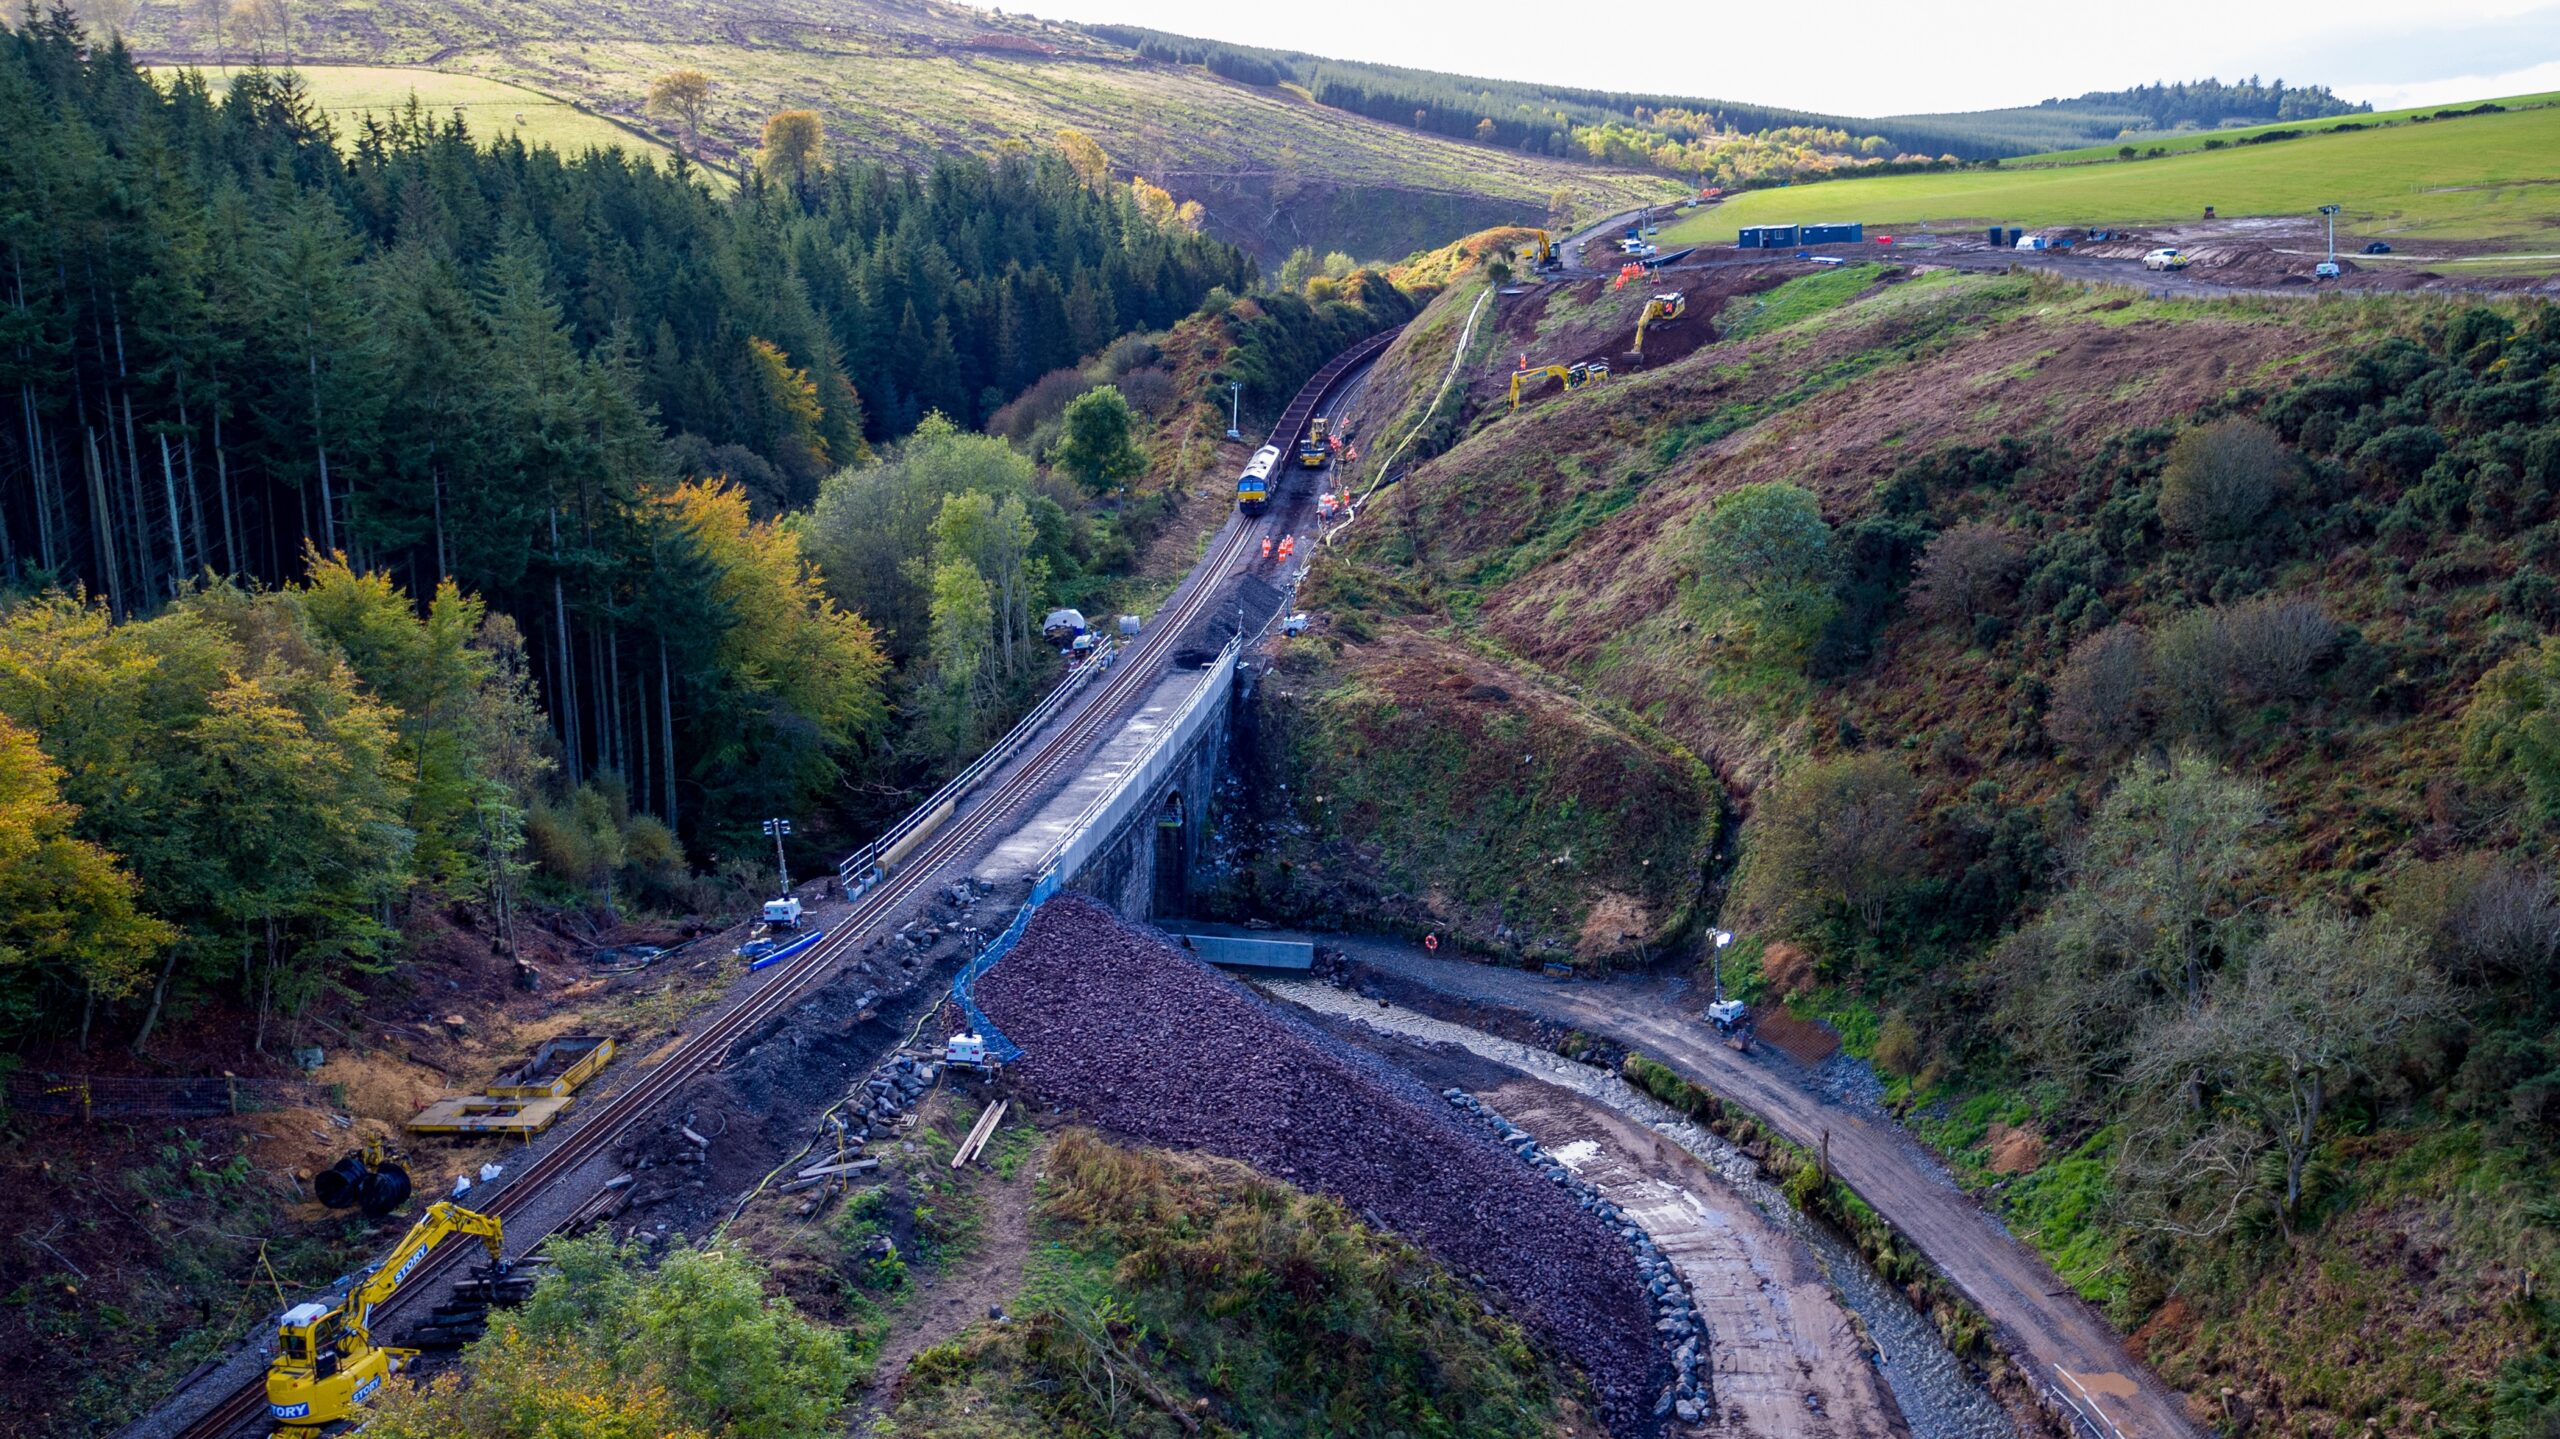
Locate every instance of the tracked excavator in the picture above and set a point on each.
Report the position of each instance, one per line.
(1660, 310)
(1575, 376)
(1545, 257)
(326, 1362)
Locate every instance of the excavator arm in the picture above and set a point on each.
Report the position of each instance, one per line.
(441, 1221)
(1659, 309)
(1522, 377)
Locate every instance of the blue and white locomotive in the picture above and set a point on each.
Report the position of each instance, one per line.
(1253, 487)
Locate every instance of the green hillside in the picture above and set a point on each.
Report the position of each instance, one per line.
(2182, 142)
(902, 81)
(2487, 178)
(1975, 592)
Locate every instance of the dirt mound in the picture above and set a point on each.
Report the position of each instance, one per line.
(1788, 968)
(1199, 1063)
(2014, 1151)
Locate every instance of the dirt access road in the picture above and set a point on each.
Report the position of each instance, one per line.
(2063, 1341)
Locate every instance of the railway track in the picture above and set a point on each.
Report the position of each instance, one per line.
(701, 1052)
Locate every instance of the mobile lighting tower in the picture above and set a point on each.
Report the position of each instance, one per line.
(2328, 269)
(1726, 1013)
(1235, 409)
(778, 828)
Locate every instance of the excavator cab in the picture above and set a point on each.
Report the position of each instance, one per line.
(326, 1362)
(1660, 310)
(318, 1377)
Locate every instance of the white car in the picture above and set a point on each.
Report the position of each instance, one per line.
(2170, 259)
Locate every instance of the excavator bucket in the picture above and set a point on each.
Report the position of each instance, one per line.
(384, 1190)
(375, 1188)
(341, 1185)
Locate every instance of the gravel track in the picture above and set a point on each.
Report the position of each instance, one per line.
(1134, 1035)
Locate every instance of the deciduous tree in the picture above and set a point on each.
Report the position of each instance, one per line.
(795, 143)
(684, 95)
(1836, 836)
(1966, 571)
(70, 933)
(2101, 698)
(1098, 448)
(2220, 478)
(1764, 565)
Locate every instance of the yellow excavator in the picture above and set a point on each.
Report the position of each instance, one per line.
(326, 1361)
(1545, 255)
(1575, 376)
(1660, 310)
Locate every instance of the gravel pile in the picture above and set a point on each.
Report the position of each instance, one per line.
(1132, 1034)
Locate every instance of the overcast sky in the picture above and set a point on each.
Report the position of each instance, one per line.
(1854, 57)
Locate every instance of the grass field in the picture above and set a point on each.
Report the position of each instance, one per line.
(491, 107)
(2184, 141)
(2489, 178)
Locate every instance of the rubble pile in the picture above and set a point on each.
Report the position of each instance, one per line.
(1128, 1032)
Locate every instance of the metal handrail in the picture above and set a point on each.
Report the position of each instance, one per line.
(863, 865)
(1075, 830)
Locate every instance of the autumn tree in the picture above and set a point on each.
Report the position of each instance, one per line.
(1764, 565)
(795, 143)
(1154, 202)
(684, 95)
(1085, 156)
(71, 935)
(789, 685)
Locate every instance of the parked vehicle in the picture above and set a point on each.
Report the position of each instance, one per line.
(2165, 259)
(2378, 247)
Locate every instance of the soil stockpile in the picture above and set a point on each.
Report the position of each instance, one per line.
(1133, 1034)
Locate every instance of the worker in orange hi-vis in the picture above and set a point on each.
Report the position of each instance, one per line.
(1524, 359)
(1287, 543)
(1266, 547)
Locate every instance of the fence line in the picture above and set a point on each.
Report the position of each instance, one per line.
(86, 1097)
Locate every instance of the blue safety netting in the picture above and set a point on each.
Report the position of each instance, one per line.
(999, 1048)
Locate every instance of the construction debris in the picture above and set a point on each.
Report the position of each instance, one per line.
(979, 1133)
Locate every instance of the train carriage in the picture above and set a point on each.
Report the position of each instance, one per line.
(1253, 487)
